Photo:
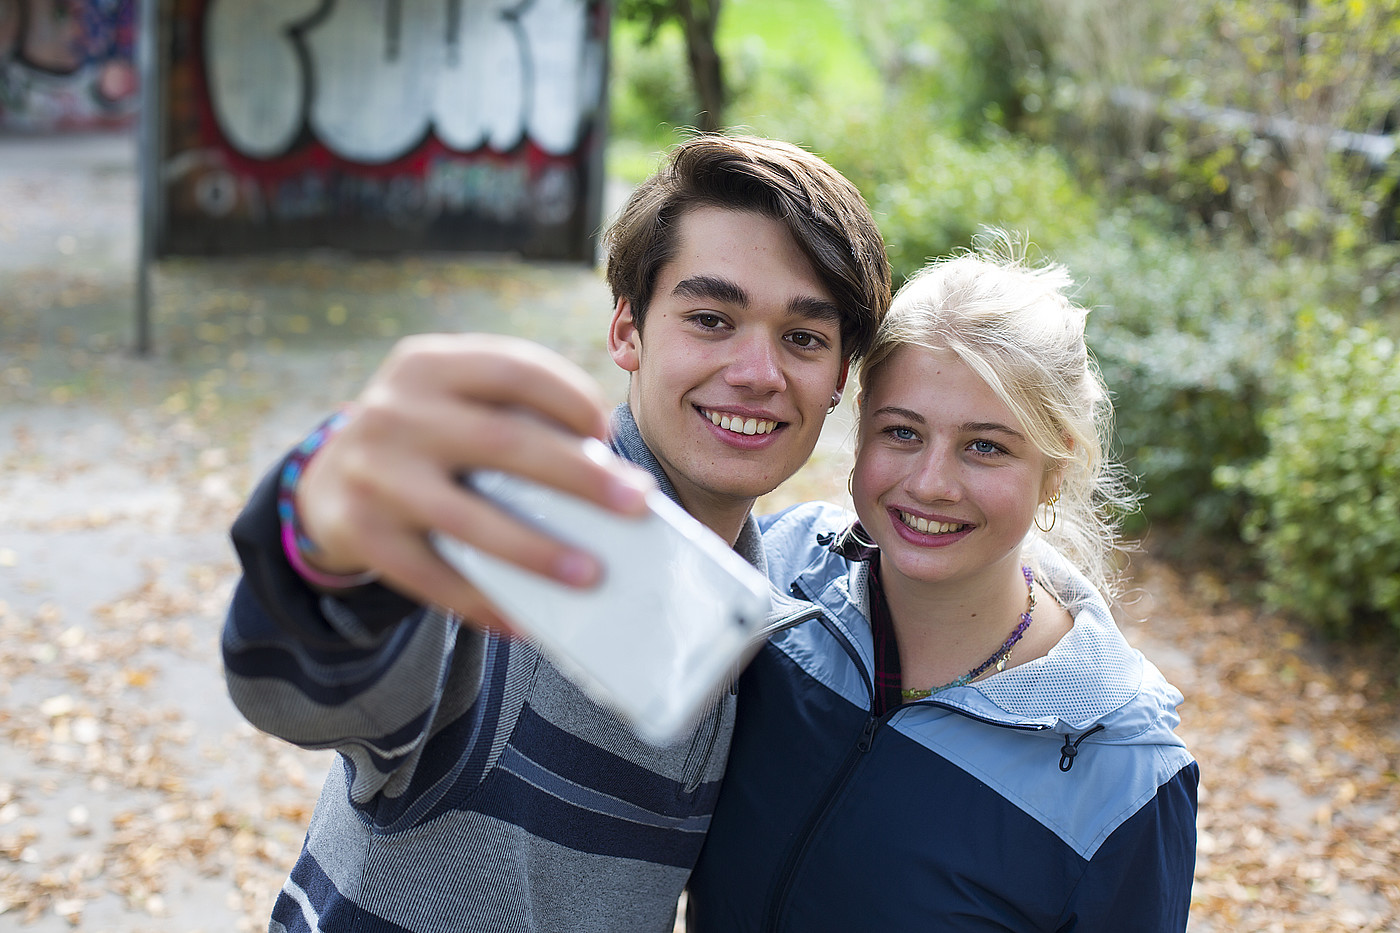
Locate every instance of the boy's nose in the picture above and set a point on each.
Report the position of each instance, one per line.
(757, 366)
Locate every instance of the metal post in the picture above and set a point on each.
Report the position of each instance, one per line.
(148, 164)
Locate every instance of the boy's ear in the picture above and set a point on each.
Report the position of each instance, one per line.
(624, 339)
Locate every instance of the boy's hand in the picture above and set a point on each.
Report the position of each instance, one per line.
(441, 405)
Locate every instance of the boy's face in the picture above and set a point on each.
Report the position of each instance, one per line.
(740, 358)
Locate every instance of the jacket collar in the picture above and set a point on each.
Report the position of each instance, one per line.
(1092, 677)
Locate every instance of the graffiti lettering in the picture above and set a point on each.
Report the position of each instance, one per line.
(256, 82)
(372, 78)
(498, 192)
(382, 124)
(67, 64)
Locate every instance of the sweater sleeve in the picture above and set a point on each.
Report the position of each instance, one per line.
(368, 673)
(1140, 878)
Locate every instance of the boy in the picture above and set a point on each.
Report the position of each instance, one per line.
(477, 789)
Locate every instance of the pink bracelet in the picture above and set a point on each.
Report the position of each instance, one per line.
(295, 544)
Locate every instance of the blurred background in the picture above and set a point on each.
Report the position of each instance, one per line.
(217, 215)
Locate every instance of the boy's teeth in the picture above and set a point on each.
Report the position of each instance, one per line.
(926, 527)
(741, 425)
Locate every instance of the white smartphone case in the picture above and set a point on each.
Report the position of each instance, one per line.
(672, 620)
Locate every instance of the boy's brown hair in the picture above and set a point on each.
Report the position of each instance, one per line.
(823, 212)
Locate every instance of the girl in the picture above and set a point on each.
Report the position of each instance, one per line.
(953, 734)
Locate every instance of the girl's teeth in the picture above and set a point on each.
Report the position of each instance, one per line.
(926, 527)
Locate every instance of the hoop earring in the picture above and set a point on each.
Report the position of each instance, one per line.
(1053, 515)
(835, 400)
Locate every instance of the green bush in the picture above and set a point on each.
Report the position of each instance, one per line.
(932, 193)
(1327, 493)
(1187, 331)
(650, 92)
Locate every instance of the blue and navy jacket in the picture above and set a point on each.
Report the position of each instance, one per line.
(475, 788)
(1052, 796)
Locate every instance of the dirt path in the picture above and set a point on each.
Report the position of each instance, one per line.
(135, 798)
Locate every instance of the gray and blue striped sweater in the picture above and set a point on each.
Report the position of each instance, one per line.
(475, 789)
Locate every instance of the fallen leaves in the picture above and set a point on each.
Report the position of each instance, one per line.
(118, 794)
(1300, 802)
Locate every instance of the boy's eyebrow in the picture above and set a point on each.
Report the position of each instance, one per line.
(717, 288)
(818, 309)
(713, 288)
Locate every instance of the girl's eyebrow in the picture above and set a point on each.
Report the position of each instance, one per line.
(894, 411)
(991, 427)
(967, 427)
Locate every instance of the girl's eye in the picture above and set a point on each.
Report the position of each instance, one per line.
(902, 434)
(986, 448)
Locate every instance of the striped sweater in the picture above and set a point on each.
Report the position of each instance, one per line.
(475, 787)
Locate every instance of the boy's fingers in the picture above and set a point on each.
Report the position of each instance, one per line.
(540, 452)
(507, 372)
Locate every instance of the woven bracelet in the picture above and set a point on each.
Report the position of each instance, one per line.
(295, 544)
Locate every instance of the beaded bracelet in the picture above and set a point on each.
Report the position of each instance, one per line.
(295, 544)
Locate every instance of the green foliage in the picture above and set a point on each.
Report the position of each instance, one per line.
(931, 193)
(1187, 345)
(788, 64)
(963, 57)
(1327, 494)
(650, 93)
(696, 21)
(1235, 110)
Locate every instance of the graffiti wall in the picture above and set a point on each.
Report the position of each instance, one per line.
(383, 125)
(67, 65)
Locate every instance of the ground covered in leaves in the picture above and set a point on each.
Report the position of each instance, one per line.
(133, 796)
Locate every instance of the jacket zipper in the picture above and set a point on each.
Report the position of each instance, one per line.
(862, 745)
(693, 772)
(705, 735)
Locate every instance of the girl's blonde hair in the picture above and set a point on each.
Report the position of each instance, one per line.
(1013, 324)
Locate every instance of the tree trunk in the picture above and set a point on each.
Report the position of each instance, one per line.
(699, 19)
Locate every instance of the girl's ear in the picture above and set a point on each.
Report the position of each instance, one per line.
(624, 337)
(1050, 488)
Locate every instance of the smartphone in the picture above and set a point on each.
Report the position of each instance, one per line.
(674, 617)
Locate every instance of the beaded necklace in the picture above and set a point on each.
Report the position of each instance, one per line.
(998, 658)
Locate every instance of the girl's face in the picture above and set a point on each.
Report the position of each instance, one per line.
(946, 481)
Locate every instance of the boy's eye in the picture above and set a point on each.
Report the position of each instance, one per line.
(805, 340)
(707, 320)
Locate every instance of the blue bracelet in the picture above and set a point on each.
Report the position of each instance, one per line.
(295, 543)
